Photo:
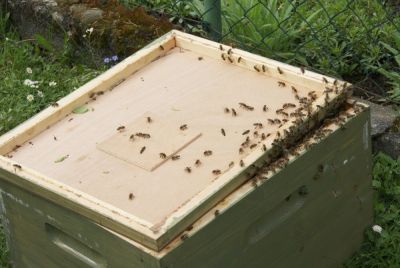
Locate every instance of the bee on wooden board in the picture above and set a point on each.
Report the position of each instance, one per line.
(258, 125)
(246, 132)
(132, 137)
(207, 153)
(121, 128)
(163, 155)
(200, 58)
(231, 164)
(263, 136)
(184, 237)
(223, 56)
(271, 121)
(175, 157)
(279, 70)
(234, 112)
(239, 59)
(289, 105)
(183, 127)
(265, 108)
(245, 106)
(149, 119)
(294, 90)
(226, 110)
(230, 51)
(143, 135)
(54, 104)
(16, 166)
(253, 146)
(241, 163)
(241, 151)
(131, 196)
(264, 69)
(162, 47)
(281, 84)
(223, 132)
(325, 80)
(216, 213)
(256, 68)
(197, 163)
(188, 169)
(230, 59)
(216, 172)
(142, 150)
(277, 121)
(302, 69)
(221, 47)
(264, 148)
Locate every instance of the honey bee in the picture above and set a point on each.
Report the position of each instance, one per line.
(281, 84)
(226, 110)
(255, 133)
(279, 70)
(231, 164)
(246, 132)
(302, 69)
(328, 90)
(294, 90)
(325, 80)
(183, 127)
(163, 155)
(230, 59)
(200, 58)
(241, 150)
(241, 163)
(149, 120)
(285, 120)
(277, 121)
(223, 132)
(54, 104)
(253, 146)
(278, 134)
(234, 112)
(16, 166)
(279, 111)
(143, 135)
(197, 163)
(245, 106)
(121, 128)
(216, 172)
(175, 157)
(142, 150)
(289, 105)
(223, 56)
(271, 121)
(263, 136)
(216, 213)
(239, 59)
(188, 169)
(132, 137)
(256, 68)
(264, 148)
(162, 47)
(99, 93)
(265, 108)
(92, 95)
(207, 153)
(184, 237)
(258, 125)
(335, 82)
(284, 114)
(55, 138)
(221, 47)
(230, 51)
(131, 196)
(264, 69)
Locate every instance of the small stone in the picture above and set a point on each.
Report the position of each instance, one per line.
(91, 15)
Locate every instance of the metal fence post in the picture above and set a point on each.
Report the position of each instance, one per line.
(212, 17)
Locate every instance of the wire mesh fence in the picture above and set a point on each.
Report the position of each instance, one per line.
(357, 40)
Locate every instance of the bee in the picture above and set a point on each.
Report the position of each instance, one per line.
(289, 105)
(265, 108)
(253, 146)
(279, 70)
(328, 90)
(230, 51)
(184, 237)
(223, 132)
(281, 84)
(285, 120)
(149, 120)
(216, 172)
(55, 138)
(264, 148)
(99, 93)
(231, 164)
(255, 133)
(294, 90)
(258, 125)
(234, 112)
(200, 58)
(161, 47)
(221, 47)
(93, 95)
(335, 82)
(278, 134)
(121, 128)
(279, 111)
(143, 135)
(241, 163)
(239, 59)
(302, 69)
(263, 136)
(188, 169)
(175, 157)
(226, 110)
(16, 166)
(241, 150)
(223, 56)
(325, 80)
(132, 137)
(246, 132)
(271, 121)
(197, 163)
(207, 153)
(54, 104)
(256, 68)
(216, 213)
(230, 59)
(284, 114)
(183, 127)
(277, 121)
(163, 155)
(142, 150)
(245, 106)
(264, 69)
(131, 196)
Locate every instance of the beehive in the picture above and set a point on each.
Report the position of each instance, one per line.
(152, 147)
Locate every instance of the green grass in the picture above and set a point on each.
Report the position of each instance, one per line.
(378, 250)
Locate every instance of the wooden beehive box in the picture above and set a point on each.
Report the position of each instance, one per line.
(152, 147)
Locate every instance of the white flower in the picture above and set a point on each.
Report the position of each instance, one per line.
(90, 30)
(40, 94)
(30, 83)
(377, 229)
(28, 70)
(30, 97)
(7, 39)
(53, 83)
(84, 36)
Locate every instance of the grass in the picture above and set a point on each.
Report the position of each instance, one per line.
(63, 68)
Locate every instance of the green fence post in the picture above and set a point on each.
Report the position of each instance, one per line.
(212, 17)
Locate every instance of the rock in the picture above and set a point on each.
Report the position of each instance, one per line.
(382, 118)
(388, 143)
(91, 15)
